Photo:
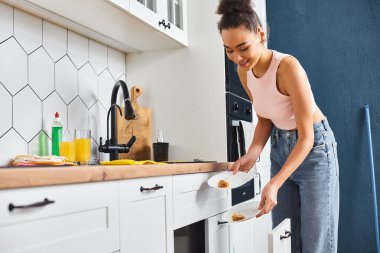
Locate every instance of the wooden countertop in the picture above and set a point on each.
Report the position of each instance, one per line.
(17, 177)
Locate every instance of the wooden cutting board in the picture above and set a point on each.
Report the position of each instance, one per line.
(140, 127)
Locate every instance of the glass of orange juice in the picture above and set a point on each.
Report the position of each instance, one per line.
(67, 146)
(83, 145)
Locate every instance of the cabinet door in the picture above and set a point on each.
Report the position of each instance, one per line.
(148, 11)
(60, 219)
(175, 13)
(279, 238)
(146, 217)
(217, 236)
(242, 237)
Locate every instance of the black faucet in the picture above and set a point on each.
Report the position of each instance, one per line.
(111, 146)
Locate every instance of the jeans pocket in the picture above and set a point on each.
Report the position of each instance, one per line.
(319, 142)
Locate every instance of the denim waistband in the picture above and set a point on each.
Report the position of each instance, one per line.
(322, 125)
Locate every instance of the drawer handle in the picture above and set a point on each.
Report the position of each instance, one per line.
(222, 222)
(38, 204)
(155, 188)
(288, 234)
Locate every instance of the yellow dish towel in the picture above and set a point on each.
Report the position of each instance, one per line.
(129, 162)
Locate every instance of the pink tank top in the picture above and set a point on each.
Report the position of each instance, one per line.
(268, 102)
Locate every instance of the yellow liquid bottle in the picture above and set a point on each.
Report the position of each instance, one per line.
(83, 150)
(67, 149)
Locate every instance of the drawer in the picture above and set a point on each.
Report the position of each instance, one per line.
(194, 200)
(142, 188)
(79, 218)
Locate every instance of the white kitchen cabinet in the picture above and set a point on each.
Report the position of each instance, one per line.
(194, 200)
(217, 235)
(279, 240)
(70, 218)
(242, 237)
(127, 25)
(167, 16)
(146, 215)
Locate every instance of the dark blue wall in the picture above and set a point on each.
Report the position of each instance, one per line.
(338, 44)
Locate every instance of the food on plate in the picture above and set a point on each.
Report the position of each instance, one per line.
(223, 184)
(236, 217)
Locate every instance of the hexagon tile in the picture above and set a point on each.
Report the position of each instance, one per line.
(88, 85)
(28, 30)
(77, 48)
(27, 116)
(6, 21)
(11, 145)
(41, 73)
(6, 110)
(66, 79)
(116, 63)
(97, 56)
(54, 40)
(77, 115)
(106, 83)
(13, 66)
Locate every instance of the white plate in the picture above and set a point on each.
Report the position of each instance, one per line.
(236, 180)
(248, 209)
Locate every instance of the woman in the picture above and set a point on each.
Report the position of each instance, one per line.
(304, 184)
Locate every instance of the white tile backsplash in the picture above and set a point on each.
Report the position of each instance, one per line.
(116, 63)
(97, 56)
(66, 79)
(41, 73)
(13, 66)
(106, 83)
(27, 113)
(45, 68)
(54, 40)
(27, 30)
(11, 144)
(6, 110)
(77, 48)
(77, 115)
(88, 85)
(6, 21)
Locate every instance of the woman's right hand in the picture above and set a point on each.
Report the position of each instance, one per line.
(244, 164)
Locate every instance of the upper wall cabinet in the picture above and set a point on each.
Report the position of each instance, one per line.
(127, 25)
(167, 16)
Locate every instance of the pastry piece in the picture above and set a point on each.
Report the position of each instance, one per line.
(236, 217)
(223, 184)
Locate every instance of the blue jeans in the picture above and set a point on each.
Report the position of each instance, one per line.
(310, 196)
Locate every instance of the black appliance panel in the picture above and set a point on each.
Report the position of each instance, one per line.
(238, 108)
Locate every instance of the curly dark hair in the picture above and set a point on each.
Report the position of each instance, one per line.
(236, 13)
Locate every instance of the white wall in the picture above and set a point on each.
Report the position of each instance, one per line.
(186, 88)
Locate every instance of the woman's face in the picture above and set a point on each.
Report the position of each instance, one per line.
(243, 47)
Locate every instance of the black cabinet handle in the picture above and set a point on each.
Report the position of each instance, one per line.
(162, 22)
(38, 204)
(288, 234)
(222, 222)
(155, 188)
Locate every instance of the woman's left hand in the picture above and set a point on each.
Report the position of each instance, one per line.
(268, 199)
